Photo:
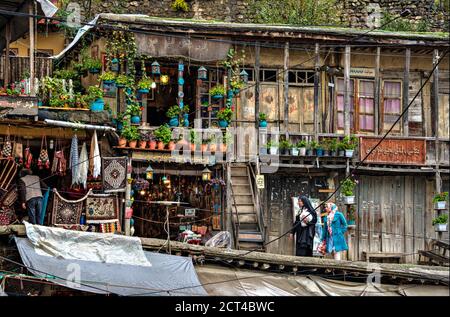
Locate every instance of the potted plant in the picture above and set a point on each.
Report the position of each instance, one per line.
(325, 145)
(273, 147)
(173, 114)
(333, 146)
(262, 120)
(212, 143)
(95, 96)
(294, 149)
(123, 138)
(301, 145)
(311, 148)
(144, 85)
(163, 135)
(227, 140)
(351, 216)
(108, 77)
(285, 146)
(440, 200)
(134, 111)
(440, 223)
(131, 133)
(350, 143)
(94, 65)
(319, 149)
(217, 92)
(341, 149)
(194, 139)
(224, 115)
(143, 139)
(347, 187)
(236, 86)
(185, 116)
(151, 141)
(122, 81)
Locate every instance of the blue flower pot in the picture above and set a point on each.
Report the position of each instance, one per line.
(109, 82)
(39, 103)
(94, 70)
(223, 123)
(144, 91)
(319, 152)
(217, 96)
(173, 122)
(120, 86)
(135, 119)
(97, 105)
(263, 124)
(119, 126)
(186, 119)
(351, 222)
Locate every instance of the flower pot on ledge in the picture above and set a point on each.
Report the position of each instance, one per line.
(349, 200)
(132, 144)
(122, 142)
(441, 227)
(440, 205)
(349, 153)
(152, 145)
(142, 144)
(161, 145)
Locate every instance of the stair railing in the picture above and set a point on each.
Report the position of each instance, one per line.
(236, 223)
(256, 200)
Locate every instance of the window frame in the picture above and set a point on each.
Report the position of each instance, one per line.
(382, 99)
(357, 106)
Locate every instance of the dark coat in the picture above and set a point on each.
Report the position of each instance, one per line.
(305, 235)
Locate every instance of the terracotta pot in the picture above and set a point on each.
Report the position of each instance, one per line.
(142, 144)
(161, 145)
(204, 147)
(171, 145)
(132, 144)
(122, 142)
(223, 148)
(193, 147)
(213, 147)
(152, 145)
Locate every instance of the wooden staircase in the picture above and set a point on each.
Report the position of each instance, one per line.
(244, 207)
(437, 255)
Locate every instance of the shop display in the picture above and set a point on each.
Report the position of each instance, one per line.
(101, 208)
(114, 174)
(67, 212)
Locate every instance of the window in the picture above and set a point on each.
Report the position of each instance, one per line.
(366, 102)
(301, 77)
(268, 75)
(392, 104)
(340, 103)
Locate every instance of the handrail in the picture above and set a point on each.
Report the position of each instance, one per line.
(255, 191)
(236, 233)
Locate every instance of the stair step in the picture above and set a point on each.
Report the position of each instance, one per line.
(250, 237)
(247, 246)
(242, 194)
(246, 218)
(248, 208)
(243, 199)
(239, 172)
(248, 226)
(239, 179)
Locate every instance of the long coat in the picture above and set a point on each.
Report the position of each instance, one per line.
(305, 235)
(338, 227)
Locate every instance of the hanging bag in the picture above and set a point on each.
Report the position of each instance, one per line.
(18, 152)
(43, 160)
(7, 146)
(28, 156)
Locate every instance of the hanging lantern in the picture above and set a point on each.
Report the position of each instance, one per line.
(206, 175)
(202, 73)
(114, 65)
(156, 70)
(153, 85)
(142, 192)
(244, 76)
(164, 80)
(149, 172)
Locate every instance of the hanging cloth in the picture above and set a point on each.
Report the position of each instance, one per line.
(95, 161)
(7, 147)
(73, 164)
(44, 160)
(28, 156)
(84, 166)
(59, 161)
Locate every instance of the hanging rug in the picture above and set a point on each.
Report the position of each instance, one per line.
(114, 174)
(67, 212)
(102, 208)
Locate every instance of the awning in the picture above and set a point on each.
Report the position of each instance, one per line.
(105, 263)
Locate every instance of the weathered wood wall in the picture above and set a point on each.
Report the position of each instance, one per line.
(20, 66)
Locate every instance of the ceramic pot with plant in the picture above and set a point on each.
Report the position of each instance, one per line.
(262, 120)
(95, 96)
(171, 145)
(272, 147)
(227, 140)
(349, 144)
(144, 85)
(94, 65)
(347, 187)
(134, 111)
(194, 139)
(236, 85)
(311, 148)
(143, 140)
(341, 149)
(440, 223)
(224, 115)
(301, 145)
(212, 144)
(325, 145)
(108, 77)
(122, 81)
(285, 146)
(173, 114)
(440, 201)
(152, 143)
(333, 146)
(217, 92)
(163, 135)
(131, 133)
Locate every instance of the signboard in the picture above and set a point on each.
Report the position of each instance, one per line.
(162, 46)
(362, 72)
(394, 151)
(260, 181)
(19, 106)
(189, 212)
(169, 158)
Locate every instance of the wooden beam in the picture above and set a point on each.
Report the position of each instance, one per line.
(32, 39)
(436, 117)
(316, 92)
(257, 83)
(377, 91)
(405, 95)
(286, 89)
(7, 71)
(347, 91)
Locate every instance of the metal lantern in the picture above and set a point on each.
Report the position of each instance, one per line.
(164, 80)
(153, 86)
(206, 175)
(156, 70)
(244, 76)
(149, 172)
(114, 65)
(202, 73)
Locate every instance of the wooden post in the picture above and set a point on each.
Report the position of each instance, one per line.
(347, 91)
(316, 92)
(286, 89)
(128, 195)
(257, 84)
(436, 117)
(229, 214)
(405, 95)
(6, 70)
(144, 111)
(377, 91)
(31, 30)
(198, 100)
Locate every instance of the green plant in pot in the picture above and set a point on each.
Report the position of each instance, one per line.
(122, 81)
(134, 110)
(173, 113)
(236, 85)
(194, 139)
(341, 148)
(227, 141)
(350, 144)
(131, 133)
(95, 97)
(347, 188)
(163, 136)
(311, 148)
(144, 85)
(94, 65)
(301, 146)
(285, 146)
(325, 145)
(217, 92)
(108, 77)
(333, 146)
(262, 120)
(224, 115)
(440, 223)
(440, 200)
(272, 147)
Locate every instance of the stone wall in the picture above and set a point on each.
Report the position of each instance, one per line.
(356, 13)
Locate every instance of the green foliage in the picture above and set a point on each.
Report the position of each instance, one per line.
(217, 91)
(145, 83)
(163, 134)
(228, 138)
(271, 144)
(194, 137)
(131, 133)
(301, 144)
(92, 63)
(440, 197)
(297, 12)
(441, 220)
(332, 144)
(313, 145)
(107, 76)
(285, 145)
(180, 5)
(350, 142)
(225, 114)
(66, 74)
(394, 23)
(124, 80)
(134, 109)
(262, 116)
(95, 93)
(347, 187)
(173, 111)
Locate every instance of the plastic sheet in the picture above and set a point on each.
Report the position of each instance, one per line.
(220, 240)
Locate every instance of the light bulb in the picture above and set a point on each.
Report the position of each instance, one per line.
(142, 192)
(153, 85)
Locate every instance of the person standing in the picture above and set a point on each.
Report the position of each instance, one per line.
(30, 191)
(304, 228)
(335, 225)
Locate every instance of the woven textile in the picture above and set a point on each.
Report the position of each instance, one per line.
(114, 174)
(8, 170)
(109, 227)
(10, 197)
(67, 212)
(102, 209)
(73, 163)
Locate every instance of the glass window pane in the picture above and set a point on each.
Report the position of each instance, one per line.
(340, 103)
(392, 89)
(366, 88)
(392, 105)
(340, 120)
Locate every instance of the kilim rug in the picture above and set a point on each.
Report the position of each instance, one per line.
(114, 174)
(8, 170)
(102, 208)
(10, 197)
(67, 212)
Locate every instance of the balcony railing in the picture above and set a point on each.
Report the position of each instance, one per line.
(19, 67)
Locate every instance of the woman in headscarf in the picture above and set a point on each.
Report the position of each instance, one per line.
(335, 225)
(305, 228)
